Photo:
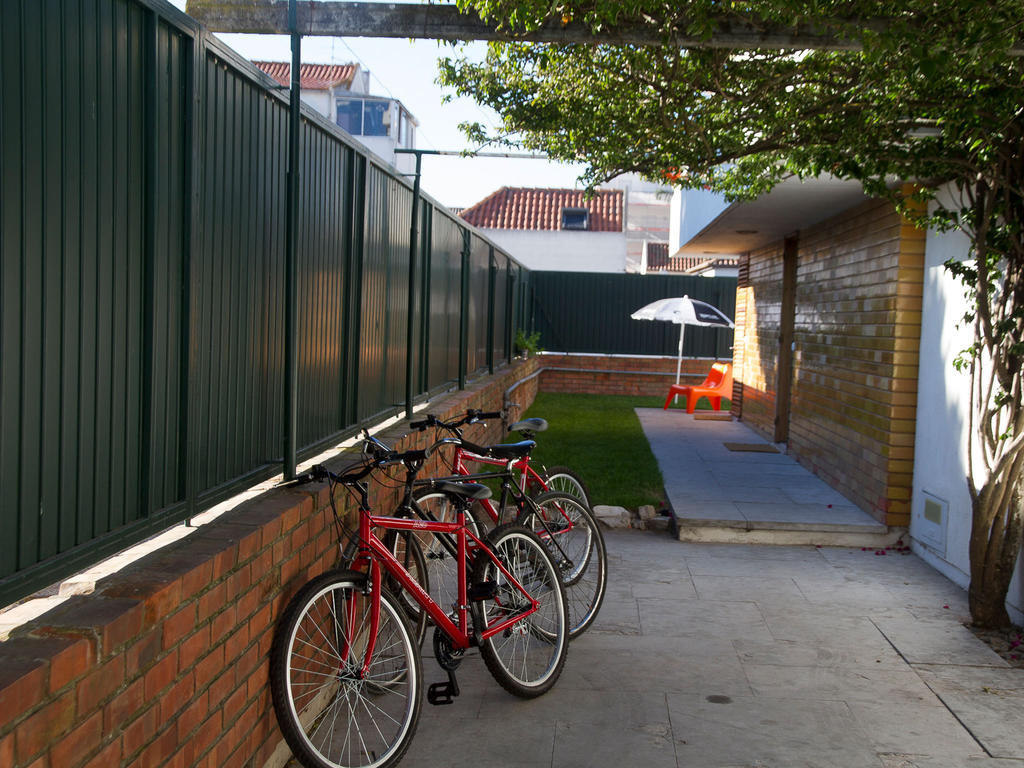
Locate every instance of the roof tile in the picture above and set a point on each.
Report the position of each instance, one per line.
(530, 208)
(313, 77)
(695, 264)
(657, 255)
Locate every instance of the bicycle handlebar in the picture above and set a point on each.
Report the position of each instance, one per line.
(473, 415)
(380, 456)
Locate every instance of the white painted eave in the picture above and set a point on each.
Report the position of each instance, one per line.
(792, 205)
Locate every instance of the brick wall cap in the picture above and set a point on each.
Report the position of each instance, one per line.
(159, 590)
(264, 509)
(110, 622)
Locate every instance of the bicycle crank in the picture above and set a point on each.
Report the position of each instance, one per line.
(448, 658)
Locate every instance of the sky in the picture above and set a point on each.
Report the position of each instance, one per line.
(407, 70)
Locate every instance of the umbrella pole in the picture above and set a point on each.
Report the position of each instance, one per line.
(679, 359)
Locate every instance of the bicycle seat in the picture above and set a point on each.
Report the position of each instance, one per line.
(474, 491)
(528, 425)
(501, 450)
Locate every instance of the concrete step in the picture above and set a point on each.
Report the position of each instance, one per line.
(786, 533)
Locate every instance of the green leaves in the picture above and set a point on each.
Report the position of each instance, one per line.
(932, 98)
(857, 115)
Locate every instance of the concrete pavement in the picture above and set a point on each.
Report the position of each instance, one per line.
(754, 497)
(719, 655)
(729, 656)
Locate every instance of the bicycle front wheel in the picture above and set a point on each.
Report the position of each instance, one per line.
(526, 657)
(340, 705)
(571, 534)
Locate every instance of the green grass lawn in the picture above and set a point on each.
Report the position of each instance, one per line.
(600, 437)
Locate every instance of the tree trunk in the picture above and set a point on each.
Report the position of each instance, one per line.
(995, 545)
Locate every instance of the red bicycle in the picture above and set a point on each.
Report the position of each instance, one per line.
(563, 521)
(345, 671)
(555, 478)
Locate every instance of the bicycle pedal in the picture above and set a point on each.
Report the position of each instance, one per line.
(440, 694)
(484, 590)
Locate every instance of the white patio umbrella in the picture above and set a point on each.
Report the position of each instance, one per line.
(684, 311)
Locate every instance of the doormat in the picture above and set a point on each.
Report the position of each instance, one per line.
(752, 447)
(713, 416)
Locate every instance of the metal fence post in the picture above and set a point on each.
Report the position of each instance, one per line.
(509, 310)
(464, 310)
(427, 242)
(491, 277)
(410, 342)
(291, 341)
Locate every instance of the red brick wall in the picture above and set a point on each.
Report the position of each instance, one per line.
(608, 375)
(858, 316)
(166, 663)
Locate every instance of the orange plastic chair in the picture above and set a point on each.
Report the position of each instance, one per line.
(717, 385)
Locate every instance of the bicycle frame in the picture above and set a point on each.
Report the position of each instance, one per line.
(375, 556)
(522, 466)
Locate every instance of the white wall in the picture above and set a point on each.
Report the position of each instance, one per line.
(384, 146)
(321, 101)
(940, 454)
(692, 210)
(562, 251)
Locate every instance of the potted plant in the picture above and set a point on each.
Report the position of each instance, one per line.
(528, 345)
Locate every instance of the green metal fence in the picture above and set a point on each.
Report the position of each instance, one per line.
(143, 209)
(584, 312)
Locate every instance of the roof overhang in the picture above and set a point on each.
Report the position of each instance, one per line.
(792, 205)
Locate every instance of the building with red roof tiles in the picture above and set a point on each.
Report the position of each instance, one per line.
(340, 92)
(520, 208)
(555, 229)
(567, 230)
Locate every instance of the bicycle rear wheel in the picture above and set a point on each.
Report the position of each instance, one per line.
(525, 658)
(572, 536)
(331, 713)
(561, 479)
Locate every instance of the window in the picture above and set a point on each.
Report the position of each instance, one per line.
(364, 117)
(350, 115)
(575, 218)
(375, 118)
(410, 130)
(405, 129)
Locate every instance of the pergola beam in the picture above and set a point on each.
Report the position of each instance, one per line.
(446, 22)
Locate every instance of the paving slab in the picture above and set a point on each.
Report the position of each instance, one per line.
(843, 683)
(897, 726)
(767, 731)
(988, 701)
(745, 588)
(618, 740)
(795, 653)
(923, 641)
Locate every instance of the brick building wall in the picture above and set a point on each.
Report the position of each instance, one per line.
(744, 299)
(857, 332)
(762, 311)
(166, 663)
